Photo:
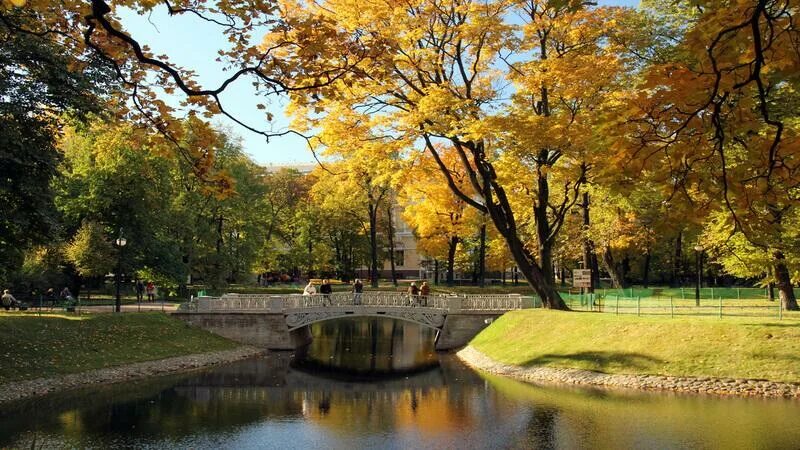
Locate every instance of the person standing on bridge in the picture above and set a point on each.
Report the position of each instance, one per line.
(310, 289)
(413, 293)
(424, 291)
(358, 287)
(325, 289)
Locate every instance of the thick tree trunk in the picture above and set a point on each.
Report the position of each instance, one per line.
(436, 272)
(595, 269)
(676, 261)
(785, 288)
(543, 231)
(482, 258)
(646, 269)
(535, 276)
(390, 234)
(617, 281)
(451, 259)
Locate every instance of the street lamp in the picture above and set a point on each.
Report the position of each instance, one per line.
(699, 266)
(121, 241)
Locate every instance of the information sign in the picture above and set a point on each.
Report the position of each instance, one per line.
(582, 278)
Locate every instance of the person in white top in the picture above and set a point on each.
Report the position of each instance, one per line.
(310, 289)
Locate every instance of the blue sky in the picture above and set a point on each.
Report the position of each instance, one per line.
(193, 44)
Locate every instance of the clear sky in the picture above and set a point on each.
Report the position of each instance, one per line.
(193, 44)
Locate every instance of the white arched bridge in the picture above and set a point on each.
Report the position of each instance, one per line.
(278, 321)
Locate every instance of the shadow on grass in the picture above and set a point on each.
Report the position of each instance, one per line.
(595, 360)
(773, 325)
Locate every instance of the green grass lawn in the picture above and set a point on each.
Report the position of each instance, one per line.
(55, 344)
(690, 346)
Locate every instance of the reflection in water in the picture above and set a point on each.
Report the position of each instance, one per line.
(265, 403)
(369, 346)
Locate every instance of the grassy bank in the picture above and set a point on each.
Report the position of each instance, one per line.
(56, 344)
(702, 346)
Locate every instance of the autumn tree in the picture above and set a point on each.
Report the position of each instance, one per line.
(715, 113)
(433, 78)
(440, 219)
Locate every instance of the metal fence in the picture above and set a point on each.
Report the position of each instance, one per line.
(280, 303)
(728, 304)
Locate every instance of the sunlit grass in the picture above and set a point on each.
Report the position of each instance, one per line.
(56, 343)
(732, 347)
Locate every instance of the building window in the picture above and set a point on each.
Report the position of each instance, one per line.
(399, 258)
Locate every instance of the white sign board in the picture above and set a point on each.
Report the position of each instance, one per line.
(582, 278)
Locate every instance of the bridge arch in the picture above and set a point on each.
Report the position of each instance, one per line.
(428, 317)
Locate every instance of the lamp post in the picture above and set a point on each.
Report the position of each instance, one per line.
(121, 241)
(699, 266)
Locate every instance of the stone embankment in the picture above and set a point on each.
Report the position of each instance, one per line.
(695, 385)
(17, 390)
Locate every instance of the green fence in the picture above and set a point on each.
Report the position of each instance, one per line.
(744, 302)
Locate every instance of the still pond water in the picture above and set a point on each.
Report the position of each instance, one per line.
(376, 383)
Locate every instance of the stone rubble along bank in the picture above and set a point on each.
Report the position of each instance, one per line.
(16, 390)
(695, 385)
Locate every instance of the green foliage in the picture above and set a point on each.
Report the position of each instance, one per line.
(90, 251)
(38, 82)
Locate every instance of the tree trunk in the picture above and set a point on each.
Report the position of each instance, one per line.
(676, 261)
(436, 272)
(785, 288)
(373, 246)
(451, 259)
(611, 268)
(217, 265)
(482, 258)
(535, 276)
(390, 234)
(626, 270)
(595, 269)
(588, 245)
(543, 230)
(646, 269)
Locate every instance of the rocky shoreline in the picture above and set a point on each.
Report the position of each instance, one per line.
(694, 385)
(18, 390)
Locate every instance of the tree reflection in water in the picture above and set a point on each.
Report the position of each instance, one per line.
(265, 402)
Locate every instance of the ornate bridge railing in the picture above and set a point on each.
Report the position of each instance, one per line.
(294, 302)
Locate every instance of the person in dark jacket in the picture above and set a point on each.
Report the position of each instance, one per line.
(358, 288)
(325, 289)
(424, 291)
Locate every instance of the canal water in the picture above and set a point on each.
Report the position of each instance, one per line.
(377, 383)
